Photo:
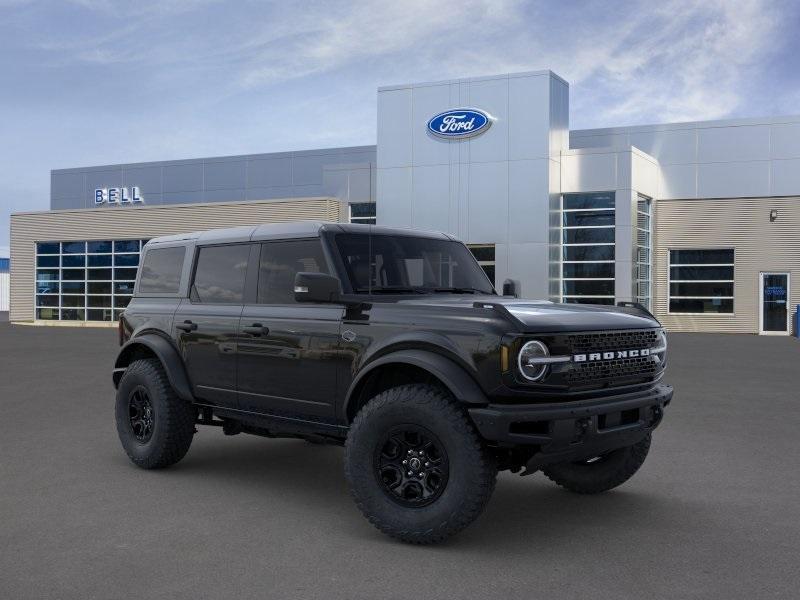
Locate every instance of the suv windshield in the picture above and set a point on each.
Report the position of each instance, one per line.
(406, 264)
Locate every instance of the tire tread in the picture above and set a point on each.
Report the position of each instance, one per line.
(176, 420)
(483, 475)
(631, 460)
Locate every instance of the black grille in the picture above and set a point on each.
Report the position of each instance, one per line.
(612, 340)
(623, 368)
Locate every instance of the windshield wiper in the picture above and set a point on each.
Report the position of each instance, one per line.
(395, 289)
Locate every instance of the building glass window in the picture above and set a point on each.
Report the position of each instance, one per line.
(587, 252)
(643, 267)
(77, 281)
(484, 254)
(701, 281)
(363, 212)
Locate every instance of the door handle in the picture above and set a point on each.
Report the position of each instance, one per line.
(186, 326)
(256, 329)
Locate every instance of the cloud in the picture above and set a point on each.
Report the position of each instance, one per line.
(98, 82)
(688, 61)
(628, 60)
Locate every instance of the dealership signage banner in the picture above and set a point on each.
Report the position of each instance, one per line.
(459, 123)
(115, 195)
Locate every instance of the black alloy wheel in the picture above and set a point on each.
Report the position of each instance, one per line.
(416, 467)
(140, 414)
(411, 466)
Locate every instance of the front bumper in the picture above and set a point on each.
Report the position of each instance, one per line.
(574, 430)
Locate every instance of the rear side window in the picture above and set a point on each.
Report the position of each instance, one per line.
(161, 270)
(219, 275)
(280, 262)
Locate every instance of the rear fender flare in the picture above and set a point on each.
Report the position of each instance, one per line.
(166, 353)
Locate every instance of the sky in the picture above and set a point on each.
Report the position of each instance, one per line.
(93, 82)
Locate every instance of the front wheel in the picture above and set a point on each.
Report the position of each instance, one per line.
(600, 473)
(415, 465)
(154, 425)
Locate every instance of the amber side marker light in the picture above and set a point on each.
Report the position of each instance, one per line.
(504, 358)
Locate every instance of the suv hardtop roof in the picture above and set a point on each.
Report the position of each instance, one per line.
(290, 230)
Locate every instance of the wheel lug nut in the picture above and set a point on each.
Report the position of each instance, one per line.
(410, 473)
(405, 461)
(427, 464)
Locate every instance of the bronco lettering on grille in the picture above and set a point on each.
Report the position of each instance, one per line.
(616, 354)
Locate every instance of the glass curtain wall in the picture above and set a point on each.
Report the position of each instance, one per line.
(643, 267)
(701, 281)
(363, 212)
(85, 280)
(587, 238)
(485, 255)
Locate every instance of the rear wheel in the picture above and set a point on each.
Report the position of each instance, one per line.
(415, 465)
(154, 425)
(600, 473)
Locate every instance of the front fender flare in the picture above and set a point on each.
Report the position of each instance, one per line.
(165, 352)
(463, 387)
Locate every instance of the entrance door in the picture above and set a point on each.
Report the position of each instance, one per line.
(774, 302)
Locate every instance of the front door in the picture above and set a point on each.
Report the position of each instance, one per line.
(774, 304)
(288, 353)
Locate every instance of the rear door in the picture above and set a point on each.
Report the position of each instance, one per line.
(288, 351)
(206, 324)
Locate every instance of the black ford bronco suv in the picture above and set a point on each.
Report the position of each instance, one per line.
(394, 344)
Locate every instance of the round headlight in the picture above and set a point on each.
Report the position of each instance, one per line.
(662, 347)
(528, 360)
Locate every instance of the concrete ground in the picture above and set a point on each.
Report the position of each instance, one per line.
(714, 512)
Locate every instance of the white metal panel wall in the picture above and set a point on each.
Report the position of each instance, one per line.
(759, 245)
(4, 291)
(495, 188)
(141, 222)
(713, 159)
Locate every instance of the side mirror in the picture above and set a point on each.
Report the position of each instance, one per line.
(510, 288)
(316, 287)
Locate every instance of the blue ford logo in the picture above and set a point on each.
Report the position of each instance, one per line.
(460, 123)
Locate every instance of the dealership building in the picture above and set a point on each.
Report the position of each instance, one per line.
(699, 222)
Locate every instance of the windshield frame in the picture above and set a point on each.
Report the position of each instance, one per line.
(410, 291)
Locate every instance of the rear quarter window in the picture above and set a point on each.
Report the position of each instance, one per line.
(161, 270)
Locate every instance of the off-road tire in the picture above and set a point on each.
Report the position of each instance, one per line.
(610, 471)
(471, 472)
(173, 418)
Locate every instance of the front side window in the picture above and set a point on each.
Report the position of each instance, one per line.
(280, 262)
(407, 264)
(161, 271)
(701, 281)
(220, 273)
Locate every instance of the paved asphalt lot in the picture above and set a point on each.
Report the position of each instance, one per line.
(714, 512)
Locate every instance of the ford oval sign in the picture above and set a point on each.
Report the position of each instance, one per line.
(459, 123)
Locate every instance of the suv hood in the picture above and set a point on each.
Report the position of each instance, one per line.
(534, 316)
